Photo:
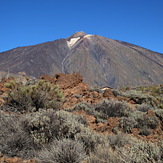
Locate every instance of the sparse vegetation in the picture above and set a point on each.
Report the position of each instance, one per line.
(33, 125)
(29, 98)
(151, 95)
(137, 151)
(138, 97)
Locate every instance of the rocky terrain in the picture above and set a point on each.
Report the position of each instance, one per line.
(113, 125)
(101, 61)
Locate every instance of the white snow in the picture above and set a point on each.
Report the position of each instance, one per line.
(72, 41)
(88, 36)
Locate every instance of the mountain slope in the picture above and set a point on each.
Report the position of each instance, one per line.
(101, 61)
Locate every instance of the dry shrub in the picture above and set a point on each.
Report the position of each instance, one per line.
(14, 141)
(118, 141)
(104, 154)
(144, 107)
(112, 108)
(136, 152)
(62, 151)
(89, 139)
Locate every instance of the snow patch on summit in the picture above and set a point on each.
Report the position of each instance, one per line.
(88, 36)
(72, 41)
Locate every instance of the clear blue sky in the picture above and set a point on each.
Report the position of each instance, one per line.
(28, 22)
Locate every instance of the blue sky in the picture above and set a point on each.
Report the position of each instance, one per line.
(29, 22)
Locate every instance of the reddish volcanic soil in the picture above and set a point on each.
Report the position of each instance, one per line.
(76, 91)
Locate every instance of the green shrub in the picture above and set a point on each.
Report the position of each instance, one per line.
(26, 98)
(62, 151)
(41, 125)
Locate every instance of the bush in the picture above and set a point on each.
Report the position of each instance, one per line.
(104, 154)
(138, 151)
(159, 113)
(118, 141)
(63, 151)
(97, 89)
(14, 141)
(127, 123)
(144, 107)
(145, 131)
(116, 92)
(43, 126)
(102, 111)
(88, 109)
(112, 109)
(89, 139)
(82, 106)
(27, 98)
(138, 96)
(145, 152)
(142, 121)
(151, 122)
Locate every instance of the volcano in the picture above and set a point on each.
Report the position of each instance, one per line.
(101, 61)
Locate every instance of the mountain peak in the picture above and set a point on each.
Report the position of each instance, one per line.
(77, 34)
(101, 61)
